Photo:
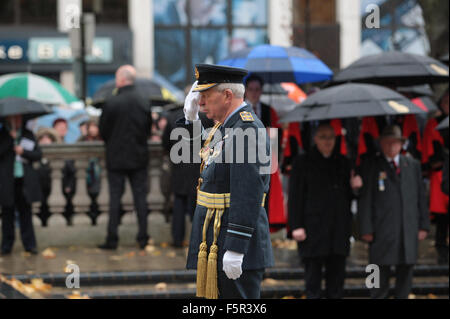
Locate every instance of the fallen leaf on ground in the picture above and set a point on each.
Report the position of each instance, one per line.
(142, 253)
(156, 253)
(150, 248)
(131, 254)
(288, 297)
(39, 285)
(48, 253)
(77, 295)
(161, 286)
(171, 254)
(164, 245)
(116, 258)
(270, 282)
(192, 286)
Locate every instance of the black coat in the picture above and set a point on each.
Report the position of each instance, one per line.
(320, 202)
(31, 187)
(125, 126)
(393, 210)
(184, 176)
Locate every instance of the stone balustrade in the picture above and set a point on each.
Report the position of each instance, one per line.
(56, 155)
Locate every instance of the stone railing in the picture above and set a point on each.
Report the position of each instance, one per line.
(81, 153)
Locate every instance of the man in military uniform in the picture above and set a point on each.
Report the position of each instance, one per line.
(230, 242)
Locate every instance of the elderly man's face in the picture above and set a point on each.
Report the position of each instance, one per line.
(214, 104)
(390, 146)
(325, 139)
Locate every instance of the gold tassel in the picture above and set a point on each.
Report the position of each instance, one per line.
(201, 259)
(212, 291)
(201, 270)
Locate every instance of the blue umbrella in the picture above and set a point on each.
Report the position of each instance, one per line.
(276, 64)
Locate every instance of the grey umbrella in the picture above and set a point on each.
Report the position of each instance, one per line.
(351, 100)
(394, 69)
(28, 108)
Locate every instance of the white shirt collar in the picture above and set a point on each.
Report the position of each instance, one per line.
(395, 159)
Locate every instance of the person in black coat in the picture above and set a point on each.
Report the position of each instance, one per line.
(320, 194)
(125, 126)
(19, 182)
(184, 177)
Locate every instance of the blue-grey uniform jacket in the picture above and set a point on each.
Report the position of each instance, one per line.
(244, 227)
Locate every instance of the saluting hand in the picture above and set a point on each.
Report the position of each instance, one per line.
(191, 106)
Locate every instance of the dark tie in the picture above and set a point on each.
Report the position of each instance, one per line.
(395, 167)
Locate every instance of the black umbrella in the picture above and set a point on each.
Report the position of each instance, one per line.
(416, 90)
(28, 108)
(444, 58)
(149, 88)
(394, 69)
(443, 125)
(351, 100)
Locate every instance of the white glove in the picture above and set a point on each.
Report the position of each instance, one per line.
(191, 106)
(232, 264)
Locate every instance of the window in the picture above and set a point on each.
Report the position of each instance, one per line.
(23, 12)
(108, 11)
(188, 32)
(401, 28)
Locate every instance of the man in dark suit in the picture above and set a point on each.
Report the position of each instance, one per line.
(322, 227)
(19, 182)
(125, 126)
(229, 221)
(392, 212)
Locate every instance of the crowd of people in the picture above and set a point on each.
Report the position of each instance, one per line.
(321, 172)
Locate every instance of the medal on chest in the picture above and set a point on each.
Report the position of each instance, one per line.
(381, 185)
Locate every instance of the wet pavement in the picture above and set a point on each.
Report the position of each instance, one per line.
(60, 245)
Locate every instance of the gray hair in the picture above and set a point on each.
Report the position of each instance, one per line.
(237, 89)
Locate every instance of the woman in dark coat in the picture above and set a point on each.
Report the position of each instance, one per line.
(320, 217)
(19, 182)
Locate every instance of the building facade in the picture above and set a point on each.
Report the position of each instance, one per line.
(171, 36)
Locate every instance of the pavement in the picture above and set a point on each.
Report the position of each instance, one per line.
(60, 245)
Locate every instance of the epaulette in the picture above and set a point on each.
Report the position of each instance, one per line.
(246, 116)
